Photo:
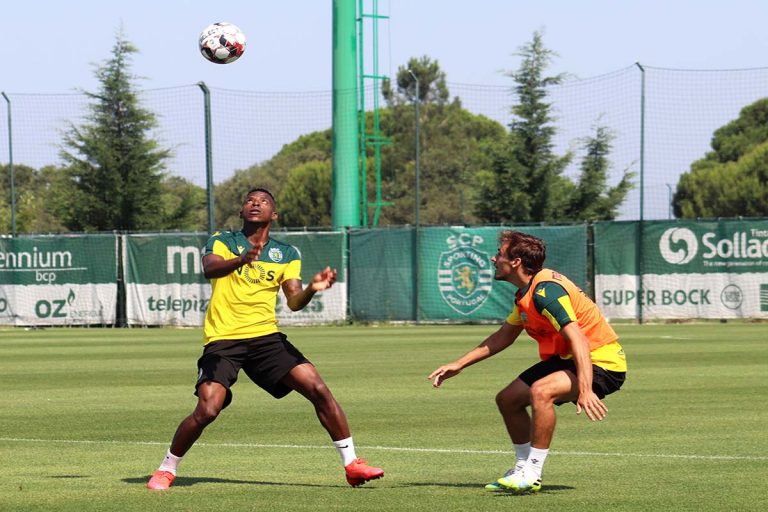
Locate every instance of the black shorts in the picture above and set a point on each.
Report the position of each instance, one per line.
(604, 382)
(265, 360)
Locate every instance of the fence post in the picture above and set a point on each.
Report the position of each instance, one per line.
(641, 226)
(208, 155)
(10, 169)
(417, 202)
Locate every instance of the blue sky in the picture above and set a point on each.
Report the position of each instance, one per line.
(51, 44)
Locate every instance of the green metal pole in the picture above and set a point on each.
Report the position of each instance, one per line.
(417, 203)
(639, 249)
(418, 152)
(345, 200)
(417, 249)
(372, 136)
(361, 113)
(208, 155)
(642, 141)
(10, 169)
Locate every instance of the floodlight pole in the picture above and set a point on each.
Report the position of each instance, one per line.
(10, 169)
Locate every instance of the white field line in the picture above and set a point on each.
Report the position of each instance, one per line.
(389, 448)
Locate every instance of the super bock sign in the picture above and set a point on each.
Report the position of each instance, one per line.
(465, 274)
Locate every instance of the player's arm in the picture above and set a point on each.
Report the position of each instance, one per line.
(215, 265)
(555, 304)
(493, 344)
(297, 297)
(587, 400)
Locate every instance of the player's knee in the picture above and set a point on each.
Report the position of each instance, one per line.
(506, 400)
(319, 392)
(206, 414)
(541, 393)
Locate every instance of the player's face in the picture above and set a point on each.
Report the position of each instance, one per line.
(504, 266)
(258, 207)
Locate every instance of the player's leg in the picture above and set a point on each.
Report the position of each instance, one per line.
(512, 402)
(217, 372)
(557, 387)
(305, 379)
(210, 402)
(211, 399)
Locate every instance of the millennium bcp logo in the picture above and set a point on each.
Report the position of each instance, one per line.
(678, 246)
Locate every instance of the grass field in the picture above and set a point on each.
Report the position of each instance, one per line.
(87, 414)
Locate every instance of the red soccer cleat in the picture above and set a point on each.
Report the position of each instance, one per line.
(161, 480)
(358, 472)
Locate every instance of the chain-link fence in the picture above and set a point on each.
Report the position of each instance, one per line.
(662, 120)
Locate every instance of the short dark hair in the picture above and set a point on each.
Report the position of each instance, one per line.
(259, 189)
(531, 250)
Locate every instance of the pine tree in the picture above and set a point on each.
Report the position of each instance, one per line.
(592, 200)
(525, 182)
(115, 168)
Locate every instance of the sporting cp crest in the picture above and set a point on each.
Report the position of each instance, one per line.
(465, 278)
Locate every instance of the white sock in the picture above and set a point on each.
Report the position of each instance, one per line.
(521, 454)
(170, 462)
(536, 459)
(346, 449)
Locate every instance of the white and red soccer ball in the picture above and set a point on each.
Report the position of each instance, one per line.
(222, 43)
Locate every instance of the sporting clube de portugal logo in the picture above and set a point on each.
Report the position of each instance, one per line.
(464, 273)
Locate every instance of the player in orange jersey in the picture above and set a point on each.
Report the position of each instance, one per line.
(581, 359)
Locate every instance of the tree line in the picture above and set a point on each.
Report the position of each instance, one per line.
(473, 170)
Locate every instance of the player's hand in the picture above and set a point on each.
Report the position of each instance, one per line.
(444, 372)
(323, 279)
(591, 405)
(252, 254)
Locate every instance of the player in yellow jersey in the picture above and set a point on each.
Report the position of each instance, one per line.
(581, 359)
(246, 269)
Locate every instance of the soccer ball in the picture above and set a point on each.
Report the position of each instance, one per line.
(222, 43)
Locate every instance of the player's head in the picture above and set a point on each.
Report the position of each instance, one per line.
(265, 191)
(258, 206)
(531, 250)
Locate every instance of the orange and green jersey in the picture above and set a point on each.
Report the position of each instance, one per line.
(549, 303)
(243, 302)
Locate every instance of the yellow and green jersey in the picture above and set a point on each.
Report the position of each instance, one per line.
(243, 302)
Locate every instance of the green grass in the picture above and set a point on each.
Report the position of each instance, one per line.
(87, 414)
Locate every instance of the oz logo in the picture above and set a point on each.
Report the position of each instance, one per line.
(465, 278)
(54, 308)
(678, 246)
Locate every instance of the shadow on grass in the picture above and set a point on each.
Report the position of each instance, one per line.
(188, 481)
(548, 489)
(545, 490)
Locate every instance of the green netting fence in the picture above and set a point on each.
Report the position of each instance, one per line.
(652, 270)
(681, 110)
